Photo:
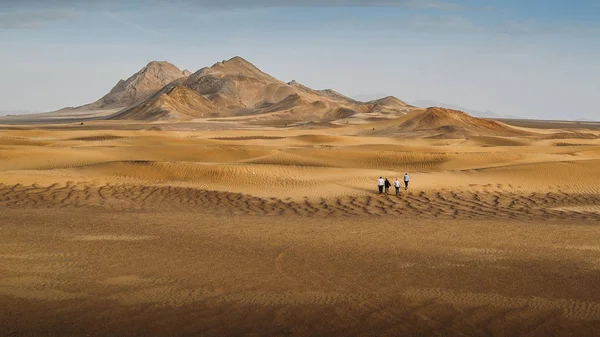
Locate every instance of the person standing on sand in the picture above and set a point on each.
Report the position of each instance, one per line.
(397, 186)
(387, 186)
(380, 184)
(406, 181)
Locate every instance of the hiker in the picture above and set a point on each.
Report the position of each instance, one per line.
(387, 186)
(397, 186)
(380, 184)
(406, 181)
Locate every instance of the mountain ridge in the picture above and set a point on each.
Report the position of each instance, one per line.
(136, 88)
(237, 88)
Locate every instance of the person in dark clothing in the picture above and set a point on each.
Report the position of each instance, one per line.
(387, 186)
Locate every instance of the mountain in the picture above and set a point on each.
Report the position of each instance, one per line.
(238, 84)
(146, 82)
(587, 119)
(237, 88)
(436, 122)
(14, 112)
(174, 101)
(386, 105)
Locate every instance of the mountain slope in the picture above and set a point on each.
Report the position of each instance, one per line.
(146, 82)
(386, 105)
(237, 88)
(173, 102)
(236, 84)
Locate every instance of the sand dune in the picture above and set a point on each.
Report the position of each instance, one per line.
(201, 229)
(446, 123)
(468, 204)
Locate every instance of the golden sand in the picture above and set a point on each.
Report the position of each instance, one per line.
(110, 231)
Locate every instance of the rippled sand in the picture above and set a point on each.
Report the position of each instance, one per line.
(280, 232)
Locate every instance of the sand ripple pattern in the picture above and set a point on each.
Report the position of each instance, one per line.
(442, 204)
(572, 309)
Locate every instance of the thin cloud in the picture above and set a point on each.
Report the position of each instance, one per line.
(36, 14)
(445, 24)
(433, 4)
(534, 28)
(430, 4)
(34, 19)
(132, 25)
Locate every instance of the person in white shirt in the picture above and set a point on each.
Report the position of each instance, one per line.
(397, 186)
(380, 184)
(406, 181)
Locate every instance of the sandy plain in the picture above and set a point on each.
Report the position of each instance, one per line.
(116, 229)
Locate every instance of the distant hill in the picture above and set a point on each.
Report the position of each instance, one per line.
(437, 122)
(587, 119)
(472, 112)
(237, 88)
(14, 112)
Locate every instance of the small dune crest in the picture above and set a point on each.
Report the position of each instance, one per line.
(490, 141)
(322, 139)
(571, 135)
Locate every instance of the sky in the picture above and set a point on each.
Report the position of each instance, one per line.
(527, 58)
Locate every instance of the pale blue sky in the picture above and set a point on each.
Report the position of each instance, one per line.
(535, 59)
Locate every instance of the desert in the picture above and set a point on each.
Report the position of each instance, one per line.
(228, 202)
